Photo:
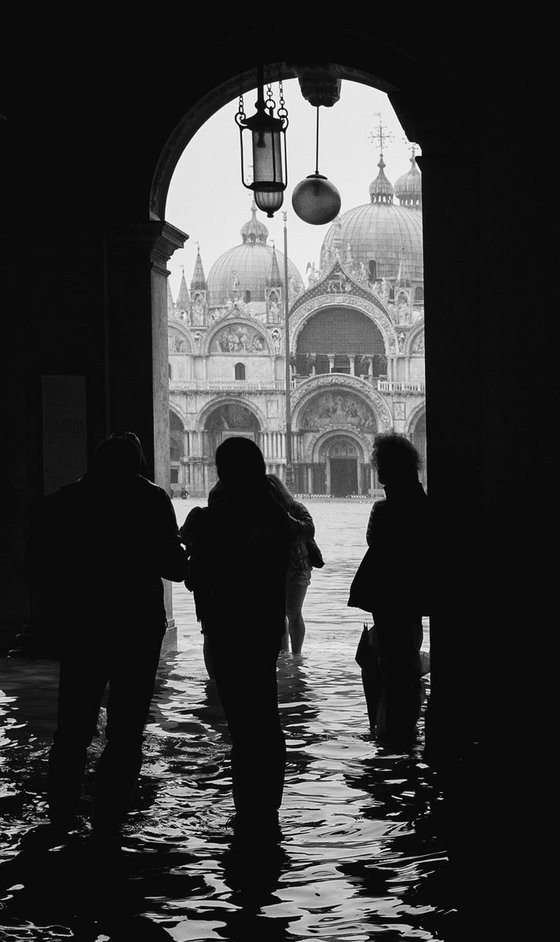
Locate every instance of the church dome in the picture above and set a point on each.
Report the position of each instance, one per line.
(408, 188)
(245, 271)
(383, 237)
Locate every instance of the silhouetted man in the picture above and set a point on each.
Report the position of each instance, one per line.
(239, 549)
(98, 553)
(392, 670)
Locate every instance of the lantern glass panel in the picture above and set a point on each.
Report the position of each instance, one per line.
(267, 156)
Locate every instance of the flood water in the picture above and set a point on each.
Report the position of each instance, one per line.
(361, 856)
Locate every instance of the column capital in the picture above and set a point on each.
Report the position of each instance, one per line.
(158, 239)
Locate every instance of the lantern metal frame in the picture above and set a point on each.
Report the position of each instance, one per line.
(268, 133)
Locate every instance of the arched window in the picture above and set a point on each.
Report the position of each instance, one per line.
(372, 265)
(240, 371)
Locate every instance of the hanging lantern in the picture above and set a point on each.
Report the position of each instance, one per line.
(268, 138)
(316, 200)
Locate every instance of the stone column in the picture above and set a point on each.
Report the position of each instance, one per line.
(331, 362)
(136, 346)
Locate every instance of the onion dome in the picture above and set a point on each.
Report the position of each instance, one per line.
(381, 189)
(254, 230)
(379, 234)
(408, 188)
(245, 271)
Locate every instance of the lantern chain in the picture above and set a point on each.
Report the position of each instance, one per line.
(282, 110)
(241, 113)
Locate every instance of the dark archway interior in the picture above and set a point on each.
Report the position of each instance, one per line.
(94, 131)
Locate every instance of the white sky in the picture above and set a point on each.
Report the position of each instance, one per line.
(208, 201)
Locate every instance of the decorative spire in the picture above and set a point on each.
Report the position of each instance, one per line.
(381, 189)
(170, 302)
(403, 277)
(198, 282)
(274, 280)
(183, 298)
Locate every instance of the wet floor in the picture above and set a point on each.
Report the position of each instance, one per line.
(361, 853)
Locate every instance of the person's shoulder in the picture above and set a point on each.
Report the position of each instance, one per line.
(379, 506)
(149, 489)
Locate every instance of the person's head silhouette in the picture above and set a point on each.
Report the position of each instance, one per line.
(117, 457)
(240, 465)
(396, 460)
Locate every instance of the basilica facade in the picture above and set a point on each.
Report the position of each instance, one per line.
(355, 348)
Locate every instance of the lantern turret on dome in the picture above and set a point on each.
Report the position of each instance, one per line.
(408, 188)
(254, 231)
(381, 189)
(245, 271)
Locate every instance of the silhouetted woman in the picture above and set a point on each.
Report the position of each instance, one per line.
(393, 581)
(298, 575)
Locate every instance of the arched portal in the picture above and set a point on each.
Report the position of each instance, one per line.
(341, 340)
(226, 420)
(341, 457)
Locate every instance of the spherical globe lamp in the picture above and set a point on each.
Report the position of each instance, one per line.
(316, 200)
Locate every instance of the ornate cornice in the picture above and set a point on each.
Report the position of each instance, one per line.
(159, 239)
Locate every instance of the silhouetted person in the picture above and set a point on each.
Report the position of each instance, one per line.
(98, 553)
(239, 548)
(298, 575)
(396, 595)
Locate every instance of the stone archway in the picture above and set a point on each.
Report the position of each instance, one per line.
(225, 419)
(341, 455)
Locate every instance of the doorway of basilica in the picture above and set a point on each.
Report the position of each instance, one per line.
(343, 463)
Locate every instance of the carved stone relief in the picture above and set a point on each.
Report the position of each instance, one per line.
(237, 337)
(336, 408)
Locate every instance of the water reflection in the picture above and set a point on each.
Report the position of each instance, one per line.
(361, 851)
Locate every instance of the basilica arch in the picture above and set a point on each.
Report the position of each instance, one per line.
(373, 309)
(229, 412)
(340, 383)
